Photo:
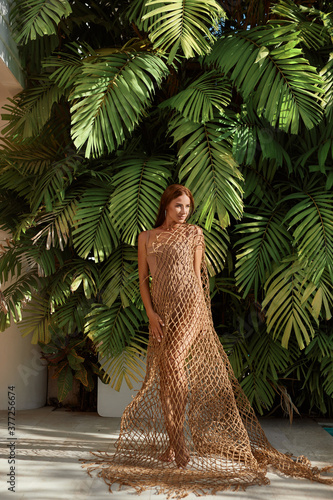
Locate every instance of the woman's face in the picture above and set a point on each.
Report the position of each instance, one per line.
(178, 209)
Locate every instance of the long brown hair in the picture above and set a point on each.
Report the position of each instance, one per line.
(172, 192)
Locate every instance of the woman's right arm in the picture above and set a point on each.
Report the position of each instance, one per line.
(155, 321)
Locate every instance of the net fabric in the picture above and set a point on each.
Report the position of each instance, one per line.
(190, 427)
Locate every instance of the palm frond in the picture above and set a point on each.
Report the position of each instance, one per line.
(18, 294)
(265, 242)
(50, 188)
(287, 312)
(199, 99)
(311, 32)
(327, 374)
(327, 75)
(136, 11)
(77, 274)
(128, 364)
(23, 159)
(70, 316)
(138, 185)
(65, 67)
(183, 24)
(208, 168)
(94, 231)
(111, 329)
(321, 295)
(10, 260)
(119, 277)
(311, 220)
(216, 241)
(36, 320)
(250, 134)
(110, 96)
(259, 182)
(34, 106)
(269, 70)
(57, 225)
(37, 257)
(41, 17)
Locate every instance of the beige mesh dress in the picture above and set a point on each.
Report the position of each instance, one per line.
(190, 427)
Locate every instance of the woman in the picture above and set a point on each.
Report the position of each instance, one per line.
(190, 427)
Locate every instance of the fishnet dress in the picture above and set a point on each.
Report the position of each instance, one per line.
(190, 427)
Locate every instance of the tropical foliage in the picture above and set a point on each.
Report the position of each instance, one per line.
(233, 99)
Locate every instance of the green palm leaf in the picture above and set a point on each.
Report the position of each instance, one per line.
(136, 11)
(110, 96)
(267, 67)
(250, 134)
(311, 220)
(36, 320)
(65, 67)
(322, 301)
(112, 329)
(259, 182)
(119, 277)
(312, 33)
(287, 312)
(16, 295)
(84, 274)
(327, 75)
(94, 232)
(50, 188)
(269, 357)
(183, 24)
(128, 365)
(23, 159)
(327, 374)
(58, 224)
(216, 242)
(138, 185)
(265, 242)
(32, 108)
(70, 316)
(208, 168)
(37, 257)
(199, 99)
(41, 17)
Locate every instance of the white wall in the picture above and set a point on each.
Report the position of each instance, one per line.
(11, 74)
(20, 365)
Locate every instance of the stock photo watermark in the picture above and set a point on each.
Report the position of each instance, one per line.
(11, 445)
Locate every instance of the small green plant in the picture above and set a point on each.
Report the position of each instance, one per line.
(73, 356)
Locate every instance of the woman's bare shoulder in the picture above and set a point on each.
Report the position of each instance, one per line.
(142, 237)
(196, 229)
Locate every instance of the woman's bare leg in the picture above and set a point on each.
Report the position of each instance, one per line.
(174, 392)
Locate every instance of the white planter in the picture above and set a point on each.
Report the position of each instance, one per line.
(21, 367)
(111, 403)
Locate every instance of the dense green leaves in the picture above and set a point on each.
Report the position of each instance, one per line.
(138, 185)
(197, 102)
(39, 17)
(107, 121)
(312, 225)
(94, 234)
(208, 169)
(120, 86)
(267, 60)
(265, 242)
(183, 24)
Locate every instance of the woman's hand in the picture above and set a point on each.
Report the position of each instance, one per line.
(156, 323)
